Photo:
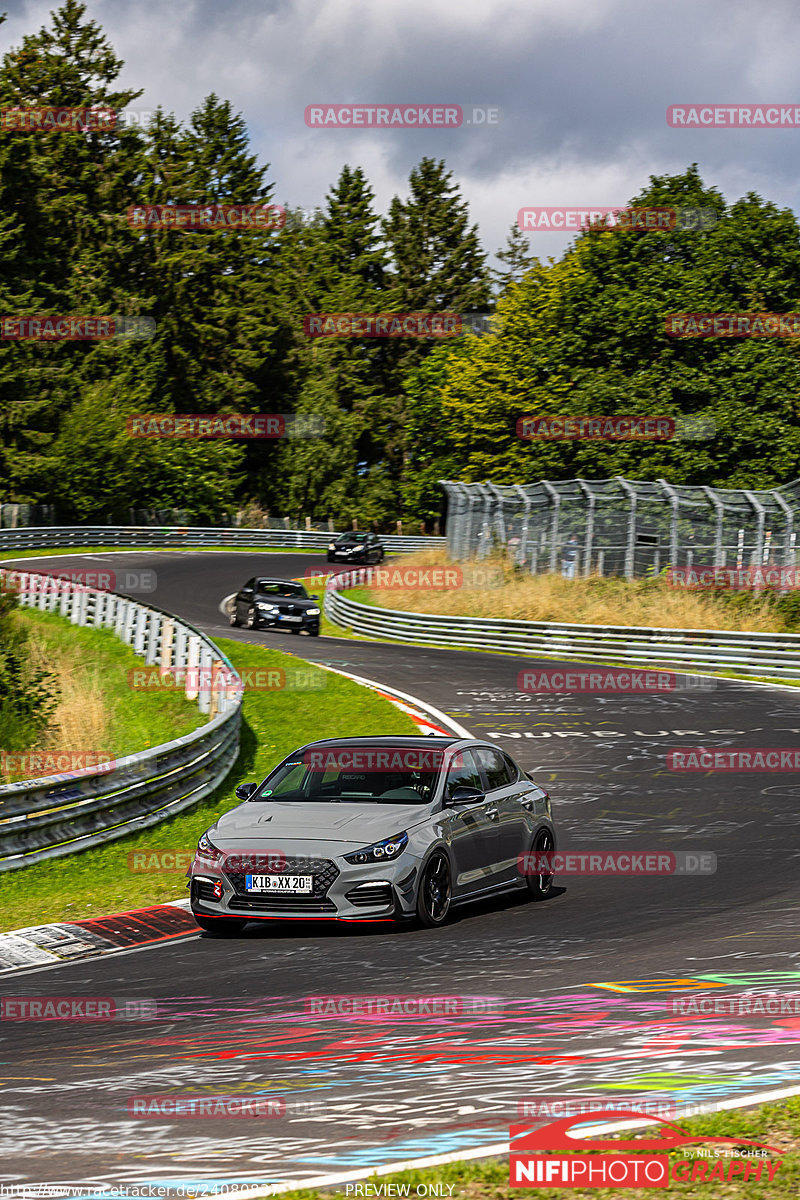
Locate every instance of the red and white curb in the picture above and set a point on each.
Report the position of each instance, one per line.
(428, 720)
(63, 942)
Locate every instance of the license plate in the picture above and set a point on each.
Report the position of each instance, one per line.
(292, 885)
(284, 617)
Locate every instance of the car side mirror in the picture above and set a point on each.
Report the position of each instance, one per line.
(245, 790)
(464, 795)
(315, 597)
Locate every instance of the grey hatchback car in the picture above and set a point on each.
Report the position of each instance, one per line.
(373, 829)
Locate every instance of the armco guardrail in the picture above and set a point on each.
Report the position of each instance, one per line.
(772, 655)
(59, 814)
(58, 537)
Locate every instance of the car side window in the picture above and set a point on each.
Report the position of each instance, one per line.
(514, 772)
(248, 587)
(496, 767)
(463, 772)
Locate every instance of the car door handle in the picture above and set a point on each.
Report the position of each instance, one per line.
(492, 814)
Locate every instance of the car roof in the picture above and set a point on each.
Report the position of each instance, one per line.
(411, 741)
(271, 579)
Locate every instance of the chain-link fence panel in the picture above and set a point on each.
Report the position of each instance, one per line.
(628, 527)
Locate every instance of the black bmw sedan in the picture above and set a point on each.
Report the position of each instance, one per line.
(277, 602)
(356, 547)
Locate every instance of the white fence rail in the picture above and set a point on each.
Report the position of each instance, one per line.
(141, 536)
(60, 814)
(767, 655)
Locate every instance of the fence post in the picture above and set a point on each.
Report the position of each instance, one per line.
(556, 499)
(587, 545)
(630, 549)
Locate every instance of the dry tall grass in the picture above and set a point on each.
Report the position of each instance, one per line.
(81, 718)
(503, 592)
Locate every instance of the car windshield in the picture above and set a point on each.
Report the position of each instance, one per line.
(271, 587)
(372, 774)
(353, 537)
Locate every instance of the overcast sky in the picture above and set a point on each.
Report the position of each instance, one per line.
(583, 86)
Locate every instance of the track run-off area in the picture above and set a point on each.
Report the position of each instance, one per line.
(583, 986)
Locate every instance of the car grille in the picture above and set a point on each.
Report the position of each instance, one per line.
(290, 610)
(323, 870)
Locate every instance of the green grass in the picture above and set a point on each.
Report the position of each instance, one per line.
(274, 723)
(96, 662)
(487, 1179)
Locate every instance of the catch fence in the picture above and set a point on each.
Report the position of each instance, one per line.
(628, 527)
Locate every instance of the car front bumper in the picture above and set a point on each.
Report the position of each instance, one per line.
(342, 892)
(267, 621)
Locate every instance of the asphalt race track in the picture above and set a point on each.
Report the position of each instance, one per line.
(582, 984)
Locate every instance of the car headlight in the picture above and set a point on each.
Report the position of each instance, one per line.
(208, 850)
(269, 608)
(312, 612)
(379, 851)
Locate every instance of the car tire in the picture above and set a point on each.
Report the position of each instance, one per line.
(233, 618)
(250, 622)
(295, 630)
(540, 886)
(435, 891)
(314, 632)
(221, 926)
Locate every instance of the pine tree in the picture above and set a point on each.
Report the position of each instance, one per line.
(517, 257)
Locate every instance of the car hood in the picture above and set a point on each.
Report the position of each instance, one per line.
(257, 823)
